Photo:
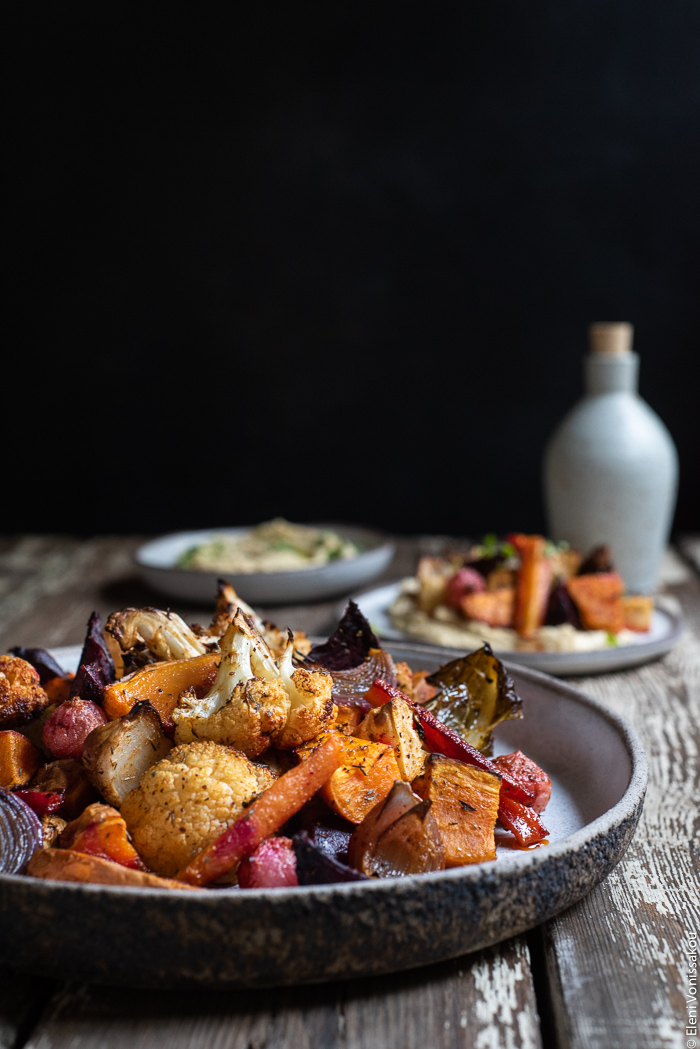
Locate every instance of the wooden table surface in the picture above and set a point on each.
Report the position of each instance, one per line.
(609, 972)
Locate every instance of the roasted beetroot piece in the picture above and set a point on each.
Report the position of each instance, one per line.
(599, 560)
(561, 609)
(96, 668)
(315, 867)
(332, 841)
(529, 775)
(88, 683)
(464, 581)
(273, 865)
(69, 726)
(43, 802)
(349, 645)
(42, 661)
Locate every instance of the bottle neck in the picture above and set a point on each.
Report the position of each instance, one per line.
(610, 373)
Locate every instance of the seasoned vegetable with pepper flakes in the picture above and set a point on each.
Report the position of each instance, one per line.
(288, 766)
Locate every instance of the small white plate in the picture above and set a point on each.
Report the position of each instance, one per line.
(157, 563)
(665, 630)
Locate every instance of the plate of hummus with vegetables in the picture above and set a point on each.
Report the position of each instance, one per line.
(539, 603)
(275, 562)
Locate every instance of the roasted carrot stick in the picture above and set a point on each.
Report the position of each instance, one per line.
(534, 578)
(266, 815)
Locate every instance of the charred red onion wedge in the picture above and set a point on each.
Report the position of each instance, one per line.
(20, 833)
(351, 685)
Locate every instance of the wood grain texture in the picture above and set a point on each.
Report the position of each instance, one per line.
(484, 1002)
(49, 585)
(615, 960)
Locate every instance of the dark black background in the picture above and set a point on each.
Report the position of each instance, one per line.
(338, 260)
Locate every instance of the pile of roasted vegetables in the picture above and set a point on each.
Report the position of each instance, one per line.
(240, 755)
(526, 582)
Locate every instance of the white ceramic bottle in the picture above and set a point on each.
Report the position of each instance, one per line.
(611, 467)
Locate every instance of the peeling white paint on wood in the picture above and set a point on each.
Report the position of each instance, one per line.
(617, 957)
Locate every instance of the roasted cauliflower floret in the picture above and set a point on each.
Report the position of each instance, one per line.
(255, 702)
(186, 800)
(137, 636)
(226, 604)
(21, 696)
(311, 705)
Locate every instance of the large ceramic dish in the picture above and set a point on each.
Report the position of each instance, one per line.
(157, 563)
(314, 934)
(666, 629)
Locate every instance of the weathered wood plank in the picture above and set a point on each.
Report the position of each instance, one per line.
(49, 585)
(485, 1001)
(616, 960)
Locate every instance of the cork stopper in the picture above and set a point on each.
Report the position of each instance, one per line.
(611, 339)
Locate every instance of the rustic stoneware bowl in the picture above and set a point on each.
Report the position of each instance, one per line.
(312, 934)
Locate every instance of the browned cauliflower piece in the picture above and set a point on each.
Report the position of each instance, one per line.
(255, 701)
(137, 636)
(21, 696)
(186, 800)
(226, 604)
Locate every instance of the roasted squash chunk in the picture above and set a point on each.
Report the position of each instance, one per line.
(598, 599)
(495, 607)
(19, 760)
(465, 806)
(364, 779)
(638, 612)
(392, 723)
(161, 684)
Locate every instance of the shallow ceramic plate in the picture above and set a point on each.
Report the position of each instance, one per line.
(665, 631)
(157, 563)
(270, 937)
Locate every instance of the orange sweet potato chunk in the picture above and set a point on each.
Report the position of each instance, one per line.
(161, 684)
(465, 805)
(495, 607)
(347, 719)
(101, 831)
(19, 760)
(366, 776)
(598, 598)
(67, 865)
(638, 612)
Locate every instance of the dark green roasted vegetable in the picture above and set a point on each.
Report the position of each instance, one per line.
(475, 693)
